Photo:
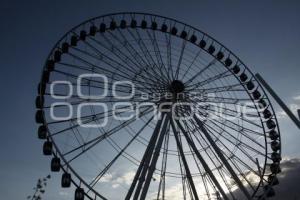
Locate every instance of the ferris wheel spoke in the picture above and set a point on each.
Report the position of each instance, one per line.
(158, 53)
(183, 159)
(213, 114)
(242, 174)
(209, 80)
(135, 54)
(215, 123)
(94, 116)
(107, 167)
(169, 55)
(141, 83)
(84, 61)
(191, 64)
(240, 130)
(226, 88)
(218, 166)
(239, 147)
(117, 52)
(75, 77)
(184, 42)
(183, 175)
(154, 159)
(162, 181)
(211, 63)
(109, 62)
(147, 54)
(233, 156)
(229, 114)
(225, 100)
(222, 157)
(93, 142)
(139, 177)
(90, 118)
(202, 161)
(210, 129)
(76, 103)
(203, 177)
(102, 55)
(89, 85)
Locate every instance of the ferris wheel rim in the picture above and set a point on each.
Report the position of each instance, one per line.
(211, 38)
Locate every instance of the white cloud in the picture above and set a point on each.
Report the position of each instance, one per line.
(289, 178)
(281, 115)
(288, 189)
(126, 178)
(173, 192)
(63, 193)
(296, 97)
(106, 178)
(293, 107)
(115, 186)
(117, 180)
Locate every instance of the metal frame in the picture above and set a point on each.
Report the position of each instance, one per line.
(152, 154)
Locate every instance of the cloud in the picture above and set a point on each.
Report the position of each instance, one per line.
(172, 192)
(117, 180)
(293, 107)
(289, 179)
(126, 178)
(63, 193)
(296, 97)
(288, 188)
(106, 178)
(281, 115)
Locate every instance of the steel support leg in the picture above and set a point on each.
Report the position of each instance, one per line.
(153, 163)
(143, 176)
(279, 101)
(186, 167)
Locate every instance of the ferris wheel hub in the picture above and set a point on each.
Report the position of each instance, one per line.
(177, 86)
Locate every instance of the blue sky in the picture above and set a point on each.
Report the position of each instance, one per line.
(265, 35)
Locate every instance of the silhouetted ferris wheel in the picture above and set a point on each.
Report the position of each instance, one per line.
(188, 139)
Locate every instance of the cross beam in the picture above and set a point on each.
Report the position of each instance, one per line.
(279, 101)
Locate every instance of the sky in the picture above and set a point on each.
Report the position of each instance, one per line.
(264, 34)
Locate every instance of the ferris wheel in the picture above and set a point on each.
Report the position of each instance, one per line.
(141, 106)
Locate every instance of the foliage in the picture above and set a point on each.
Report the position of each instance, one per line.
(39, 189)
